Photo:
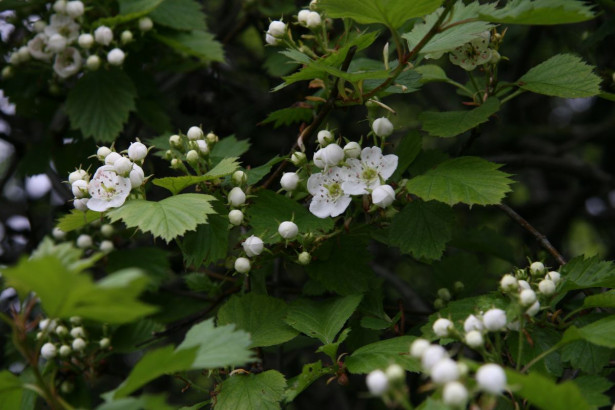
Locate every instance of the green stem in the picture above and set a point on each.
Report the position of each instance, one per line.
(540, 357)
(460, 86)
(474, 83)
(520, 347)
(574, 312)
(511, 96)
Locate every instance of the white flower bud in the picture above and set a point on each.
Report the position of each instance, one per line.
(56, 43)
(533, 310)
(14, 58)
(418, 347)
(298, 158)
(49, 351)
(78, 174)
(445, 371)
(523, 284)
(242, 265)
(111, 158)
(432, 355)
(271, 40)
(554, 276)
(324, 137)
(382, 127)
(491, 378)
(79, 344)
(527, 297)
(61, 330)
(239, 177)
(106, 246)
(537, 268)
(352, 150)
(59, 6)
(304, 258)
(65, 350)
(288, 230)
(39, 26)
(455, 394)
(192, 156)
(84, 241)
(123, 166)
(235, 217)
(508, 283)
(236, 197)
(81, 204)
(302, 17)
(289, 181)
(102, 153)
(75, 9)
(24, 53)
(126, 36)
(194, 133)
(145, 24)
(77, 332)
(253, 246)
(277, 28)
(79, 188)
(313, 20)
(7, 72)
(203, 147)
(116, 57)
(377, 382)
(474, 339)
(106, 230)
(494, 320)
(93, 63)
(86, 40)
(472, 323)
(546, 287)
(47, 324)
(395, 373)
(103, 35)
(329, 156)
(104, 343)
(137, 151)
(136, 176)
(442, 327)
(383, 196)
(211, 138)
(175, 141)
(58, 234)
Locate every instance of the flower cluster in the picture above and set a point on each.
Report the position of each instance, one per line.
(64, 342)
(192, 148)
(111, 183)
(528, 286)
(102, 240)
(307, 18)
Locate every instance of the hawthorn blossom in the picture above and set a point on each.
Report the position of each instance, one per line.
(368, 172)
(108, 189)
(38, 47)
(67, 63)
(329, 197)
(472, 54)
(64, 25)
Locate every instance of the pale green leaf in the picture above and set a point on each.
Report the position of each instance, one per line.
(262, 391)
(393, 13)
(309, 374)
(431, 73)
(247, 313)
(70, 256)
(77, 219)
(322, 319)
(603, 300)
(177, 184)
(180, 15)
(453, 123)
(540, 12)
(563, 75)
(197, 43)
(469, 180)
(544, 393)
(381, 354)
(100, 103)
(168, 218)
(11, 390)
(600, 332)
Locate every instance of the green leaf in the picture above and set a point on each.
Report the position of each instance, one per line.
(540, 12)
(471, 180)
(431, 73)
(485, 240)
(262, 391)
(407, 150)
(288, 116)
(309, 374)
(381, 354)
(393, 13)
(453, 123)
(247, 313)
(546, 394)
(422, 229)
(11, 390)
(217, 346)
(177, 184)
(145, 401)
(592, 389)
(600, 332)
(563, 75)
(77, 219)
(168, 218)
(229, 147)
(180, 15)
(583, 273)
(70, 256)
(603, 300)
(322, 319)
(586, 356)
(153, 261)
(408, 81)
(128, 338)
(100, 102)
(208, 244)
(258, 173)
(129, 10)
(196, 43)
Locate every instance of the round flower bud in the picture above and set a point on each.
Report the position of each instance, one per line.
(235, 217)
(472, 323)
(537, 268)
(126, 36)
(47, 324)
(175, 140)
(79, 344)
(329, 156)
(242, 265)
(236, 197)
(7, 72)
(56, 43)
(111, 158)
(102, 153)
(276, 28)
(418, 347)
(445, 371)
(383, 196)
(49, 351)
(59, 6)
(442, 327)
(302, 17)
(61, 330)
(288, 230)
(78, 174)
(176, 163)
(523, 284)
(444, 294)
(84, 241)
(58, 234)
(533, 310)
(395, 373)
(253, 246)
(491, 378)
(194, 133)
(382, 127)
(439, 304)
(192, 156)
(239, 178)
(289, 181)
(116, 57)
(546, 287)
(324, 137)
(15, 59)
(508, 283)
(106, 230)
(554, 276)
(85, 40)
(203, 147)
(93, 63)
(455, 394)
(81, 204)
(313, 20)
(304, 258)
(211, 138)
(123, 166)
(458, 286)
(77, 332)
(39, 26)
(106, 246)
(298, 158)
(145, 24)
(494, 320)
(104, 343)
(103, 35)
(474, 339)
(432, 355)
(75, 9)
(65, 350)
(352, 150)
(136, 176)
(80, 188)
(137, 151)
(377, 382)
(527, 297)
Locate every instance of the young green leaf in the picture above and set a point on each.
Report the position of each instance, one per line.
(11, 390)
(262, 391)
(453, 123)
(177, 184)
(600, 332)
(603, 300)
(380, 354)
(258, 173)
(77, 219)
(229, 147)
(540, 12)
(431, 73)
(546, 394)
(309, 374)
(583, 273)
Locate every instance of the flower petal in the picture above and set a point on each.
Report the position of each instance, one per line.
(354, 187)
(388, 165)
(340, 206)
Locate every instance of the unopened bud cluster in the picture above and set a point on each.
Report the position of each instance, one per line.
(531, 285)
(67, 339)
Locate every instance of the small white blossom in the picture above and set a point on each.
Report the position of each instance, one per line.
(242, 265)
(126, 36)
(39, 26)
(93, 62)
(38, 48)
(192, 156)
(508, 283)
(352, 150)
(102, 153)
(84, 241)
(61, 330)
(474, 338)
(554, 276)
(382, 127)
(68, 62)
(302, 17)
(329, 198)
(377, 382)
(64, 25)
(123, 166)
(78, 174)
(136, 176)
(472, 323)
(491, 378)
(383, 196)
(86, 41)
(116, 57)
(546, 287)
(304, 258)
(77, 332)
(58, 234)
(271, 40)
(288, 230)
(473, 53)
(103, 35)
(107, 230)
(111, 158)
(74, 9)
(455, 394)
(47, 324)
(137, 151)
(313, 20)
(145, 24)
(79, 344)
(65, 350)
(324, 137)
(59, 6)
(104, 343)
(527, 297)
(494, 320)
(534, 309)
(395, 373)
(235, 217)
(106, 246)
(445, 371)
(203, 147)
(239, 177)
(80, 188)
(329, 156)
(56, 43)
(418, 347)
(432, 355)
(108, 189)
(236, 197)
(289, 181)
(369, 172)
(49, 351)
(442, 327)
(194, 133)
(276, 28)
(253, 246)
(537, 268)
(523, 284)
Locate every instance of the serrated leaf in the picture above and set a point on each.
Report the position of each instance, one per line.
(168, 218)
(563, 75)
(129, 337)
(229, 147)
(247, 313)
(540, 12)
(586, 356)
(600, 332)
(546, 394)
(262, 391)
(393, 13)
(100, 103)
(129, 10)
(197, 43)
(309, 374)
(592, 389)
(470, 180)
(322, 319)
(603, 300)
(583, 273)
(452, 123)
(207, 244)
(408, 149)
(177, 184)
(381, 354)
(180, 15)
(288, 116)
(77, 219)
(408, 81)
(70, 256)
(431, 73)
(258, 173)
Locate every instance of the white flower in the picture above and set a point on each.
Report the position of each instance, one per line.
(67, 63)
(382, 127)
(235, 217)
(472, 54)
(298, 158)
(236, 197)
(80, 188)
(81, 204)
(508, 283)
(74, 9)
(533, 309)
(546, 287)
(64, 25)
(377, 382)
(369, 172)
(59, 6)
(302, 17)
(271, 40)
(106, 230)
(58, 234)
(111, 158)
(116, 56)
(313, 20)
(527, 297)
(93, 62)
(79, 344)
(108, 189)
(352, 150)
(102, 152)
(276, 28)
(38, 47)
(442, 327)
(253, 246)
(203, 147)
(432, 355)
(104, 342)
(288, 230)
(106, 246)
(192, 156)
(242, 265)
(537, 268)
(123, 166)
(554, 276)
(329, 197)
(472, 323)
(86, 40)
(418, 347)
(103, 35)
(49, 351)
(324, 137)
(395, 373)
(494, 319)
(455, 394)
(84, 241)
(65, 350)
(239, 177)
(77, 175)
(56, 43)
(304, 258)
(289, 181)
(47, 324)
(77, 332)
(491, 378)
(383, 196)
(145, 24)
(126, 36)
(523, 284)
(136, 176)
(194, 133)
(474, 338)
(137, 151)
(329, 156)
(445, 371)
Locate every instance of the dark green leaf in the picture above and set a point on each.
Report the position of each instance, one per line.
(540, 12)
(309, 374)
(393, 13)
(583, 273)
(381, 354)
(586, 356)
(407, 150)
(180, 15)
(153, 261)
(229, 147)
(431, 73)
(208, 243)
(288, 116)
(262, 391)
(604, 300)
(258, 173)
(593, 389)
(196, 43)
(453, 123)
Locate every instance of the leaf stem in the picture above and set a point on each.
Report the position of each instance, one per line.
(520, 346)
(540, 357)
(511, 96)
